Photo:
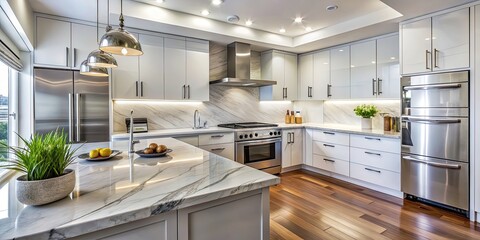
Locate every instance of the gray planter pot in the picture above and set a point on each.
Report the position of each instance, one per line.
(45, 191)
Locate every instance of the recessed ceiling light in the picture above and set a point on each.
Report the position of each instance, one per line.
(373, 62)
(248, 22)
(331, 8)
(282, 30)
(308, 29)
(298, 19)
(393, 58)
(341, 50)
(217, 2)
(233, 19)
(205, 12)
(160, 1)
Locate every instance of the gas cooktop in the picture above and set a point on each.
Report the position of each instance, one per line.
(246, 125)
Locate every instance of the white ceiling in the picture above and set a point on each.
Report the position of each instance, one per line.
(354, 19)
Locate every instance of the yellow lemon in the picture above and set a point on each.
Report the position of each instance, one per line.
(93, 154)
(105, 152)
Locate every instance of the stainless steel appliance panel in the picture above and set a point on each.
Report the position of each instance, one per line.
(53, 100)
(438, 180)
(259, 154)
(439, 137)
(445, 95)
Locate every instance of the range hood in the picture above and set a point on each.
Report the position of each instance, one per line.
(238, 68)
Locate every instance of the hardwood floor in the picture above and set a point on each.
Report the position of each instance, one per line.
(307, 205)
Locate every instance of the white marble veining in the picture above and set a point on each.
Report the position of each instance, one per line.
(130, 188)
(311, 111)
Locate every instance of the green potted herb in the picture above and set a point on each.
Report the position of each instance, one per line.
(44, 160)
(366, 112)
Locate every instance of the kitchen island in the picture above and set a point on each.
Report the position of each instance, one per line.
(188, 192)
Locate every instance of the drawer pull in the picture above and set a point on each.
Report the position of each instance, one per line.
(329, 133)
(328, 145)
(217, 136)
(373, 170)
(371, 138)
(371, 153)
(328, 160)
(217, 149)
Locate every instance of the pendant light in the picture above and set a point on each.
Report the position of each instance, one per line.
(120, 41)
(99, 58)
(93, 71)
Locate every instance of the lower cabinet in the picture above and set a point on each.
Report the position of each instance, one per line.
(331, 164)
(218, 143)
(226, 150)
(292, 147)
(375, 175)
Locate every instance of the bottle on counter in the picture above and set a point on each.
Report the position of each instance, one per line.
(292, 116)
(287, 117)
(298, 118)
(387, 123)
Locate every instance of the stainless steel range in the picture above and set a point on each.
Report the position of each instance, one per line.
(258, 145)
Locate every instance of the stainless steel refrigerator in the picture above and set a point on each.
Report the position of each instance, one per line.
(67, 100)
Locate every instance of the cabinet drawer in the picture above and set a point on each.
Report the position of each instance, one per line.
(375, 175)
(215, 138)
(331, 164)
(376, 159)
(225, 150)
(375, 143)
(331, 137)
(330, 150)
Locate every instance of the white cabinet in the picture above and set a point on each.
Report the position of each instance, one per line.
(305, 76)
(292, 147)
(63, 44)
(186, 69)
(339, 87)
(219, 143)
(280, 67)
(151, 67)
(375, 69)
(125, 78)
(436, 44)
(321, 75)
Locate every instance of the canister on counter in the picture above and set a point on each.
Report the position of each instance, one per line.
(387, 123)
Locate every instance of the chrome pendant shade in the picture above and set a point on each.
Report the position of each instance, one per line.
(92, 71)
(120, 42)
(99, 58)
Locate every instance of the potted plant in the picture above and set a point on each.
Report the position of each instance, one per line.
(44, 160)
(366, 112)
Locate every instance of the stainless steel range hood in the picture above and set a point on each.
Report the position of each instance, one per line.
(238, 68)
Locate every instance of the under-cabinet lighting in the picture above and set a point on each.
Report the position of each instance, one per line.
(276, 102)
(369, 101)
(142, 102)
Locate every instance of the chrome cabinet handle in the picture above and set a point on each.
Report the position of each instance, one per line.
(217, 136)
(284, 93)
(329, 133)
(329, 90)
(371, 153)
(379, 87)
(371, 138)
(77, 113)
(433, 86)
(373, 86)
(136, 88)
(188, 87)
(289, 138)
(373, 170)
(430, 121)
(426, 59)
(66, 56)
(328, 160)
(329, 145)
(70, 117)
(293, 137)
(183, 92)
(440, 165)
(217, 149)
(309, 92)
(141, 88)
(435, 63)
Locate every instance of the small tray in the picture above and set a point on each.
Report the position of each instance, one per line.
(152, 155)
(86, 156)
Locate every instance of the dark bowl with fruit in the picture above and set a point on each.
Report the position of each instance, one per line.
(154, 150)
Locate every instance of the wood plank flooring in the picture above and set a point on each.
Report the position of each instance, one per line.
(307, 205)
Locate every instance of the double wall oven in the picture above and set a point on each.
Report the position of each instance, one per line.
(435, 138)
(258, 145)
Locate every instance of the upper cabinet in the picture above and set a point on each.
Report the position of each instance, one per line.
(314, 76)
(280, 67)
(339, 87)
(175, 69)
(63, 44)
(375, 69)
(436, 44)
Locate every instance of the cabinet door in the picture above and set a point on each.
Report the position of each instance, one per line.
(340, 73)
(416, 46)
(307, 145)
(151, 67)
(175, 69)
(297, 147)
(125, 77)
(321, 75)
(363, 70)
(278, 74)
(197, 70)
(84, 41)
(52, 43)
(451, 40)
(388, 68)
(290, 66)
(286, 149)
(305, 87)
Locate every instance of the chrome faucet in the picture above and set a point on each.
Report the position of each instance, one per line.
(131, 142)
(196, 122)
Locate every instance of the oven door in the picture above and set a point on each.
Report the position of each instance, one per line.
(259, 154)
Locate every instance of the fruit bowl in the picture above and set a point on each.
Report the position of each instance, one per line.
(152, 155)
(86, 156)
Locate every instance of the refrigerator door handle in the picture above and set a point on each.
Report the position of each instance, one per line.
(77, 113)
(70, 117)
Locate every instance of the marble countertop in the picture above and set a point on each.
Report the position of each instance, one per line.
(321, 126)
(129, 188)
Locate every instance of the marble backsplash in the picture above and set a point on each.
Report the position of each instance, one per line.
(341, 112)
(226, 105)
